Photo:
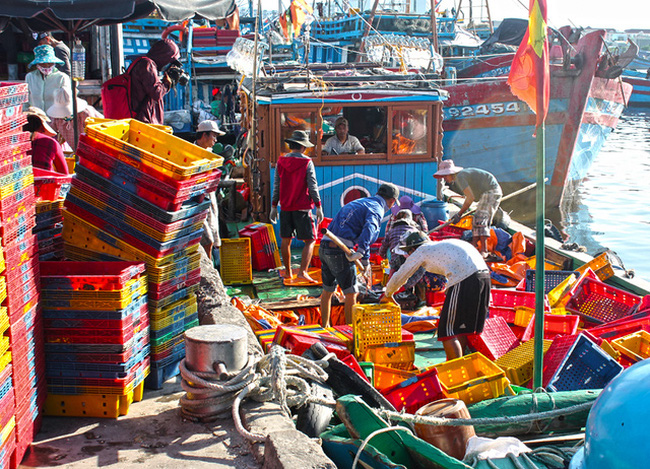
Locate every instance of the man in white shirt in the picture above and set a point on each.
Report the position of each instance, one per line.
(468, 286)
(342, 143)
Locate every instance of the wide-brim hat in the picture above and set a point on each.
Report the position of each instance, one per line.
(405, 202)
(62, 106)
(45, 55)
(38, 112)
(210, 126)
(447, 168)
(300, 137)
(413, 240)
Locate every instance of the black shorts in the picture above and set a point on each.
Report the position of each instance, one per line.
(336, 269)
(299, 222)
(466, 307)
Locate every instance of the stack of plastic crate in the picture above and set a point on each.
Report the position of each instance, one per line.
(7, 395)
(140, 194)
(50, 191)
(96, 336)
(20, 258)
(264, 247)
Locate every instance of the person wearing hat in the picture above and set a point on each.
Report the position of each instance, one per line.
(215, 104)
(357, 223)
(61, 116)
(46, 150)
(468, 285)
(206, 137)
(61, 51)
(46, 78)
(406, 203)
(342, 143)
(295, 189)
(477, 185)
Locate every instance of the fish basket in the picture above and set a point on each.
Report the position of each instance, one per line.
(552, 278)
(375, 325)
(600, 303)
(143, 144)
(400, 355)
(518, 362)
(601, 265)
(236, 266)
(416, 391)
(634, 347)
(585, 366)
(496, 339)
(472, 378)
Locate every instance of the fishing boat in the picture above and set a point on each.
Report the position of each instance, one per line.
(641, 92)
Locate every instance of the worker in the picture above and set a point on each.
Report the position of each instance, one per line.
(46, 150)
(46, 79)
(468, 286)
(406, 203)
(62, 116)
(295, 190)
(60, 50)
(342, 143)
(357, 223)
(206, 137)
(477, 185)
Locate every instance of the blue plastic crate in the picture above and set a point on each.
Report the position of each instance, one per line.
(585, 366)
(552, 278)
(158, 375)
(132, 308)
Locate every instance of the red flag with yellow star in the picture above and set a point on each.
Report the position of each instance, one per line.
(529, 77)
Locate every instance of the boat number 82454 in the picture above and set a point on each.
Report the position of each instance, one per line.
(484, 110)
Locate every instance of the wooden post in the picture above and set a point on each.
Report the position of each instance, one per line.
(434, 27)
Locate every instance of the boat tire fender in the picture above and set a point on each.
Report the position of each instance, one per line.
(313, 419)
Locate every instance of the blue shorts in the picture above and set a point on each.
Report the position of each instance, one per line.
(336, 270)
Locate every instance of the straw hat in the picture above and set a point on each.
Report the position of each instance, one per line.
(405, 202)
(413, 240)
(38, 112)
(45, 55)
(62, 106)
(446, 168)
(210, 126)
(301, 137)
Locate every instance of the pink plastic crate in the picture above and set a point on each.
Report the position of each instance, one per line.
(554, 325)
(601, 303)
(496, 339)
(415, 392)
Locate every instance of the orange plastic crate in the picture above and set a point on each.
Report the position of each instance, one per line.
(385, 376)
(634, 347)
(398, 355)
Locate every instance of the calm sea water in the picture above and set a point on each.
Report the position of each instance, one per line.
(611, 209)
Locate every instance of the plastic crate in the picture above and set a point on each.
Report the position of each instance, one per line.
(120, 387)
(158, 305)
(503, 303)
(601, 266)
(50, 185)
(413, 393)
(400, 355)
(236, 267)
(601, 303)
(518, 362)
(84, 304)
(472, 378)
(132, 286)
(171, 271)
(385, 376)
(552, 278)
(111, 159)
(160, 374)
(264, 248)
(634, 347)
(17, 160)
(9, 88)
(554, 325)
(143, 144)
(89, 275)
(159, 291)
(621, 328)
(496, 339)
(13, 187)
(375, 325)
(119, 208)
(586, 366)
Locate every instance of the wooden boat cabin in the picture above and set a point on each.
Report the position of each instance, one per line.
(397, 119)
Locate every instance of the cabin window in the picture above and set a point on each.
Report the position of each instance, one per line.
(409, 131)
(297, 120)
(366, 123)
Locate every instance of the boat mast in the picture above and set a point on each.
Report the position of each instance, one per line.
(366, 31)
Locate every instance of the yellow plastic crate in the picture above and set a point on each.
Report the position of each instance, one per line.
(4, 344)
(168, 129)
(12, 187)
(548, 265)
(472, 378)
(5, 359)
(518, 362)
(92, 405)
(399, 355)
(635, 346)
(236, 265)
(601, 266)
(610, 350)
(95, 304)
(375, 325)
(5, 433)
(164, 319)
(4, 318)
(144, 144)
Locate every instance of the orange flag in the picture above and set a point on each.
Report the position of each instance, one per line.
(529, 77)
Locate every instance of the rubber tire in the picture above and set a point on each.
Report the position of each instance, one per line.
(313, 419)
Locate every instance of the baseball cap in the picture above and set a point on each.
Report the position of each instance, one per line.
(389, 191)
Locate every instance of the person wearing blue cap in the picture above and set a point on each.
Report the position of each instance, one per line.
(46, 79)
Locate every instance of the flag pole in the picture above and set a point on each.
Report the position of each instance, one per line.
(540, 203)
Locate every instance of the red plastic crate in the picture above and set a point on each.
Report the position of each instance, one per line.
(503, 303)
(16, 300)
(161, 290)
(17, 251)
(496, 339)
(447, 232)
(263, 250)
(24, 283)
(9, 203)
(555, 355)
(86, 276)
(617, 329)
(14, 125)
(601, 303)
(50, 185)
(554, 325)
(415, 392)
(15, 159)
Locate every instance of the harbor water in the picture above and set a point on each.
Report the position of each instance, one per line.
(611, 208)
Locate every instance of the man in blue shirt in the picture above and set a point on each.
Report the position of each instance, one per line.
(357, 223)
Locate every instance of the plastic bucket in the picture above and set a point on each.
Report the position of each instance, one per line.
(450, 439)
(434, 211)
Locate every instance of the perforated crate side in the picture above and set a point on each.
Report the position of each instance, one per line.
(375, 324)
(552, 278)
(635, 347)
(236, 264)
(495, 340)
(518, 362)
(601, 303)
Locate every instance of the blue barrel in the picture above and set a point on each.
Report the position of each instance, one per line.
(434, 211)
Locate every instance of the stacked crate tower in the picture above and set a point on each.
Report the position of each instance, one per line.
(140, 194)
(22, 342)
(50, 189)
(96, 336)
